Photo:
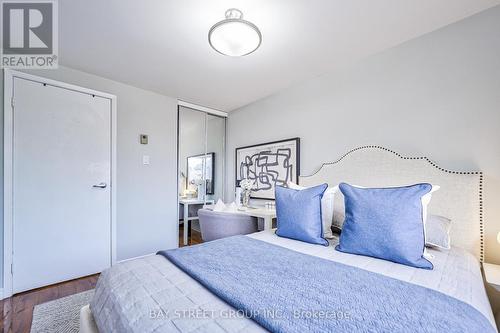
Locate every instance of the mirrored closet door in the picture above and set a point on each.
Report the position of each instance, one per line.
(201, 167)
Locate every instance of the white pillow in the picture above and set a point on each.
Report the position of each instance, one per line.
(437, 232)
(326, 207)
(220, 206)
(426, 200)
(231, 207)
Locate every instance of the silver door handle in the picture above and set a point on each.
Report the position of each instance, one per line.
(100, 185)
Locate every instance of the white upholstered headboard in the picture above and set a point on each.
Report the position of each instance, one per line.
(460, 197)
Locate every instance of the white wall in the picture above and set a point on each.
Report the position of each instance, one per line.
(1, 178)
(147, 195)
(437, 95)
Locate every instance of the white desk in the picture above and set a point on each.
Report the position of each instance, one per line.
(266, 214)
(186, 218)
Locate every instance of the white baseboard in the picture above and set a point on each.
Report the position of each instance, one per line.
(139, 257)
(2, 296)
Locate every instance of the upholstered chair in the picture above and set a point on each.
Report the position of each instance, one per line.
(215, 225)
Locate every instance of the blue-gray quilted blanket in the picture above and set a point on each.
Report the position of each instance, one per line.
(287, 291)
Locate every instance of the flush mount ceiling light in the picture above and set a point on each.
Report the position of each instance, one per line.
(234, 36)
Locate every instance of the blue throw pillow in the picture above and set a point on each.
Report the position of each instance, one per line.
(299, 214)
(386, 223)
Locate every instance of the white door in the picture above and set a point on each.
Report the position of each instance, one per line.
(61, 184)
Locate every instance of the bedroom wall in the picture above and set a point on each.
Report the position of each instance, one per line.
(146, 195)
(1, 179)
(437, 95)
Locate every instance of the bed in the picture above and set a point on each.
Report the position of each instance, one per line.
(148, 294)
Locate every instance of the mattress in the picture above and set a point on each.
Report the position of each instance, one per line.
(153, 295)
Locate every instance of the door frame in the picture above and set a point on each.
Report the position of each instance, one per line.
(8, 147)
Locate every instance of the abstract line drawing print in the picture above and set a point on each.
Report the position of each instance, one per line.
(268, 165)
(268, 168)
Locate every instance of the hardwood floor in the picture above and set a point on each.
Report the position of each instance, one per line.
(194, 237)
(17, 311)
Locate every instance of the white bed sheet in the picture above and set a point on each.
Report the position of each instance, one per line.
(456, 272)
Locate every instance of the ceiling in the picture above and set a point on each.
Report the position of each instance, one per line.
(161, 45)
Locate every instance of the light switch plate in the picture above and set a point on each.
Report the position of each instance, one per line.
(145, 159)
(144, 139)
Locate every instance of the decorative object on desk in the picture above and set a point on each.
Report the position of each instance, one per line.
(246, 198)
(201, 167)
(190, 194)
(246, 186)
(238, 196)
(182, 184)
(269, 165)
(199, 188)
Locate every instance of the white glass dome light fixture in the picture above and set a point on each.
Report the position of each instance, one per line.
(234, 36)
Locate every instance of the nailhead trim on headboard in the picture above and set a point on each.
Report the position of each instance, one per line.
(481, 226)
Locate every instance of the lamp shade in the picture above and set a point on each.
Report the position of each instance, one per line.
(234, 36)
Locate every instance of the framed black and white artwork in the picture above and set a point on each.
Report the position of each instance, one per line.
(268, 164)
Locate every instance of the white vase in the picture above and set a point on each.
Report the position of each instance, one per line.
(201, 192)
(238, 196)
(246, 197)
